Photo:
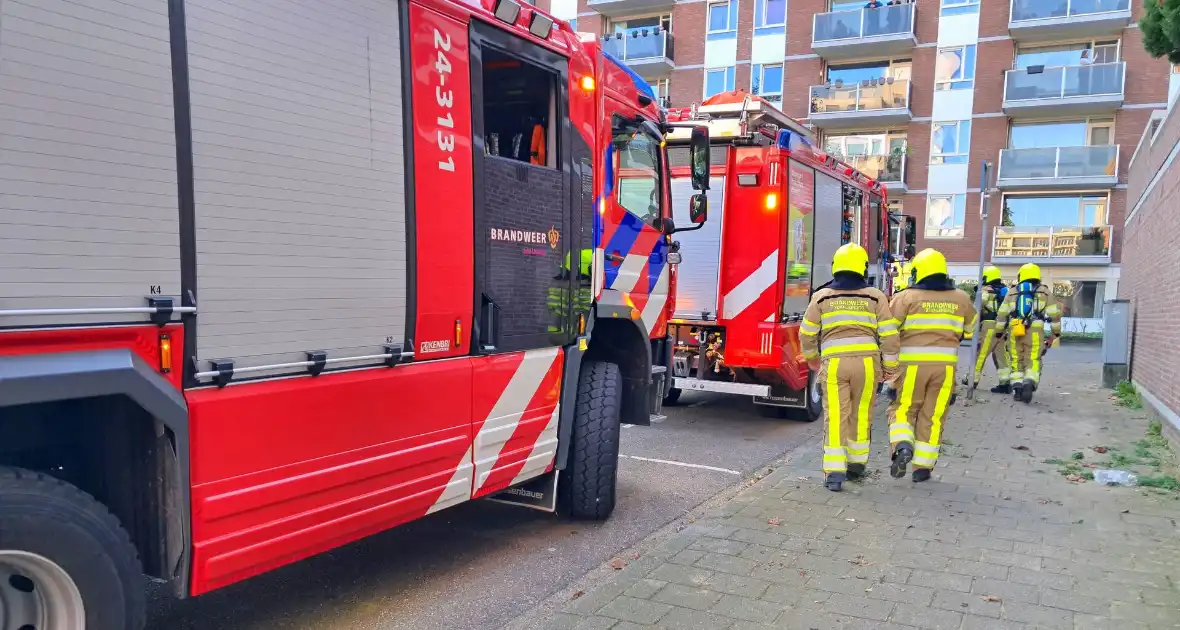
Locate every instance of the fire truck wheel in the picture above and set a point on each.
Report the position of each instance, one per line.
(673, 396)
(65, 561)
(588, 483)
(815, 404)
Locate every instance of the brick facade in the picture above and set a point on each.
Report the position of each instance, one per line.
(1151, 237)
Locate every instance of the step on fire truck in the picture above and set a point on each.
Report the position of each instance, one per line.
(782, 208)
(275, 276)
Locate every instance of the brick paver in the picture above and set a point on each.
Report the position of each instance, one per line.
(998, 540)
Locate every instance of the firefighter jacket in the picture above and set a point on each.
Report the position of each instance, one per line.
(1032, 305)
(993, 297)
(901, 275)
(843, 321)
(933, 318)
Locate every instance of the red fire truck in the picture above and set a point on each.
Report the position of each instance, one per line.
(278, 275)
(747, 275)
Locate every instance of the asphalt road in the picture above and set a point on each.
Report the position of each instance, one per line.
(482, 564)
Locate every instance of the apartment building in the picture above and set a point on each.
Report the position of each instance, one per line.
(1054, 93)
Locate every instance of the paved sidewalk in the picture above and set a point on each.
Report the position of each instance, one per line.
(998, 540)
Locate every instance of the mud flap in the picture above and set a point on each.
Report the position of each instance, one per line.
(539, 493)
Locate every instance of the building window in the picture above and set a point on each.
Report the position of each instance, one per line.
(945, 215)
(950, 142)
(774, 13)
(954, 69)
(719, 17)
(719, 80)
(767, 81)
(574, 25)
(1054, 210)
(1081, 133)
(1080, 298)
(959, 7)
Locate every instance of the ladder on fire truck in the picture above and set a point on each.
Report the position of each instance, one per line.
(736, 115)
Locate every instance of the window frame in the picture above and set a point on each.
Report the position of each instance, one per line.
(937, 157)
(729, 74)
(762, 16)
(761, 89)
(660, 174)
(958, 203)
(957, 7)
(709, 30)
(969, 57)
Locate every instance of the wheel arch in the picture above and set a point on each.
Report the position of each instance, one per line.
(54, 382)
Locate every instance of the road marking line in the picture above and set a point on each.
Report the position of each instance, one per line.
(684, 464)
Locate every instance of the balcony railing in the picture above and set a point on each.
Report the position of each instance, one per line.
(1064, 244)
(866, 96)
(887, 169)
(839, 26)
(1065, 82)
(1059, 166)
(1032, 10)
(639, 45)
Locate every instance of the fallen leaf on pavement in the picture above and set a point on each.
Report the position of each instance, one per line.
(634, 556)
(578, 594)
(618, 563)
(1099, 449)
(1020, 447)
(773, 521)
(1075, 478)
(990, 598)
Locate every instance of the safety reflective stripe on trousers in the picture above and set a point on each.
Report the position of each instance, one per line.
(847, 345)
(835, 458)
(863, 420)
(984, 350)
(927, 354)
(901, 430)
(752, 287)
(926, 453)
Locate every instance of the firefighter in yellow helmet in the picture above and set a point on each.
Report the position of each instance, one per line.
(849, 335)
(933, 317)
(1027, 308)
(994, 292)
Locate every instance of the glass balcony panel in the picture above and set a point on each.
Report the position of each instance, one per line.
(1087, 161)
(1039, 9)
(1023, 86)
(1093, 80)
(1028, 163)
(882, 168)
(631, 47)
(837, 25)
(1062, 242)
(859, 97)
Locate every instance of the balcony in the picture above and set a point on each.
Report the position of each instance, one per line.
(874, 103)
(858, 33)
(1060, 245)
(646, 51)
(1092, 89)
(1058, 168)
(623, 8)
(887, 169)
(1049, 20)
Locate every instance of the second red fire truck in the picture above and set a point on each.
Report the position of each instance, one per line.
(782, 207)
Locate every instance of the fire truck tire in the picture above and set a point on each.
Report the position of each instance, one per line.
(673, 396)
(588, 485)
(65, 560)
(815, 405)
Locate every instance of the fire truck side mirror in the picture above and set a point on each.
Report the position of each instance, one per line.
(698, 208)
(700, 159)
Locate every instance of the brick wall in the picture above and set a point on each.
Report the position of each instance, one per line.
(799, 22)
(688, 31)
(686, 86)
(993, 18)
(988, 136)
(922, 76)
(1152, 252)
(992, 59)
(1147, 78)
(926, 22)
(801, 75)
(917, 166)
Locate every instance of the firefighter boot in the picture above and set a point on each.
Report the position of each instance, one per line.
(856, 471)
(902, 456)
(1003, 388)
(1018, 391)
(1027, 389)
(921, 474)
(835, 481)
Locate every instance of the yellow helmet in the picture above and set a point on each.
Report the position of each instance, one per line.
(991, 273)
(1028, 271)
(852, 258)
(929, 262)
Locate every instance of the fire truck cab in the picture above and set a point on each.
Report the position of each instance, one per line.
(275, 276)
(747, 275)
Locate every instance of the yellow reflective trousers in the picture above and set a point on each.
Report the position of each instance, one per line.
(849, 390)
(923, 396)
